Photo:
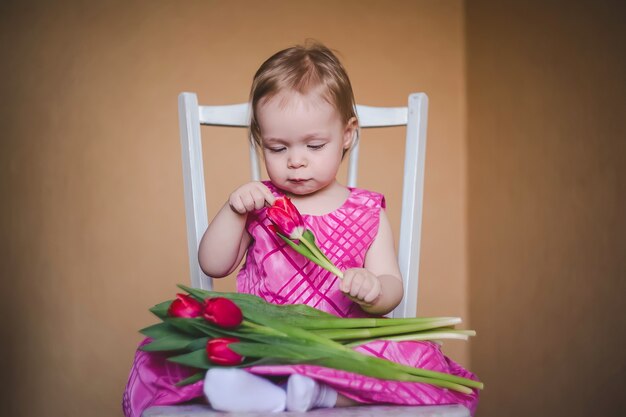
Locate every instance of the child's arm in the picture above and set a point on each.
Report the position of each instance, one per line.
(377, 287)
(225, 241)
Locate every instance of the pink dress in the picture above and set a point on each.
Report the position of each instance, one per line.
(279, 275)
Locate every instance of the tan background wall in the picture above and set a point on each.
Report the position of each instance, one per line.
(547, 174)
(92, 213)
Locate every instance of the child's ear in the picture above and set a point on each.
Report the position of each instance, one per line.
(350, 132)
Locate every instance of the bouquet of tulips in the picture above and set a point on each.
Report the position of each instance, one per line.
(203, 329)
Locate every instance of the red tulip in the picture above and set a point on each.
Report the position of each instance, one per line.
(222, 312)
(219, 353)
(287, 218)
(185, 306)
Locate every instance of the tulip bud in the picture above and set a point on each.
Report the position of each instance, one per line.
(185, 306)
(287, 218)
(222, 312)
(219, 353)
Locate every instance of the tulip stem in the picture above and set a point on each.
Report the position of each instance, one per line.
(324, 262)
(261, 329)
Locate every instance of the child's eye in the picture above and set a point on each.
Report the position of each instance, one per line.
(277, 149)
(316, 147)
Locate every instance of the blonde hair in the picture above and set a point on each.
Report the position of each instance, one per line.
(302, 68)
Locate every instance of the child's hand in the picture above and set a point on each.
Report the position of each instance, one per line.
(361, 286)
(249, 197)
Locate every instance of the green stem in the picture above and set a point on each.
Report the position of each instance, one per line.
(344, 334)
(323, 262)
(386, 369)
(358, 323)
(258, 328)
(420, 336)
(438, 375)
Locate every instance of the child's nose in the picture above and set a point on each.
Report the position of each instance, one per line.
(296, 160)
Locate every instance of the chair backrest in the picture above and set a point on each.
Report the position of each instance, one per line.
(414, 117)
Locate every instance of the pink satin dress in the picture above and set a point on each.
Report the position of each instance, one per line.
(279, 275)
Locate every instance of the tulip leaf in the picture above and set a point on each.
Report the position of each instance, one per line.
(199, 376)
(309, 236)
(272, 339)
(306, 252)
(297, 333)
(305, 310)
(252, 306)
(160, 310)
(209, 329)
(204, 294)
(195, 359)
(262, 350)
(301, 249)
(159, 330)
(273, 361)
(185, 325)
(168, 343)
(197, 344)
(249, 300)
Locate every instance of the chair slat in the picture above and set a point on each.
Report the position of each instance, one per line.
(235, 115)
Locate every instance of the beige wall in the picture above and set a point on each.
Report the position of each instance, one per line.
(92, 213)
(547, 175)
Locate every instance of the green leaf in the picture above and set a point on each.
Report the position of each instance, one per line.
(160, 310)
(196, 359)
(159, 330)
(308, 235)
(168, 343)
(297, 333)
(185, 325)
(288, 351)
(252, 304)
(316, 257)
(301, 249)
(198, 344)
(190, 380)
(208, 329)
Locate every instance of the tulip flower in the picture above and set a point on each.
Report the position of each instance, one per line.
(222, 312)
(288, 224)
(287, 218)
(185, 306)
(219, 353)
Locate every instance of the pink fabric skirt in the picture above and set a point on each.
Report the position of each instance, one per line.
(152, 378)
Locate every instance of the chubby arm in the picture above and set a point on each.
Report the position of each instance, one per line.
(377, 287)
(225, 241)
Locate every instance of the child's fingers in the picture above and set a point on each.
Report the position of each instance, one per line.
(373, 294)
(355, 287)
(236, 204)
(259, 200)
(248, 201)
(346, 282)
(267, 194)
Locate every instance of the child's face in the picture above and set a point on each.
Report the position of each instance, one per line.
(303, 139)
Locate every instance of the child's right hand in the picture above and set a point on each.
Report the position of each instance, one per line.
(249, 197)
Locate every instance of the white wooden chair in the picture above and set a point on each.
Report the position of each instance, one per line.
(414, 117)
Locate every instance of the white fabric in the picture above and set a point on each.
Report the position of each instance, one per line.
(304, 393)
(236, 390)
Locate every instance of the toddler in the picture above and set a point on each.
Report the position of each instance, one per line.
(303, 120)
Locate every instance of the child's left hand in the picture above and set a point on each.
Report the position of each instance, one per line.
(361, 286)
